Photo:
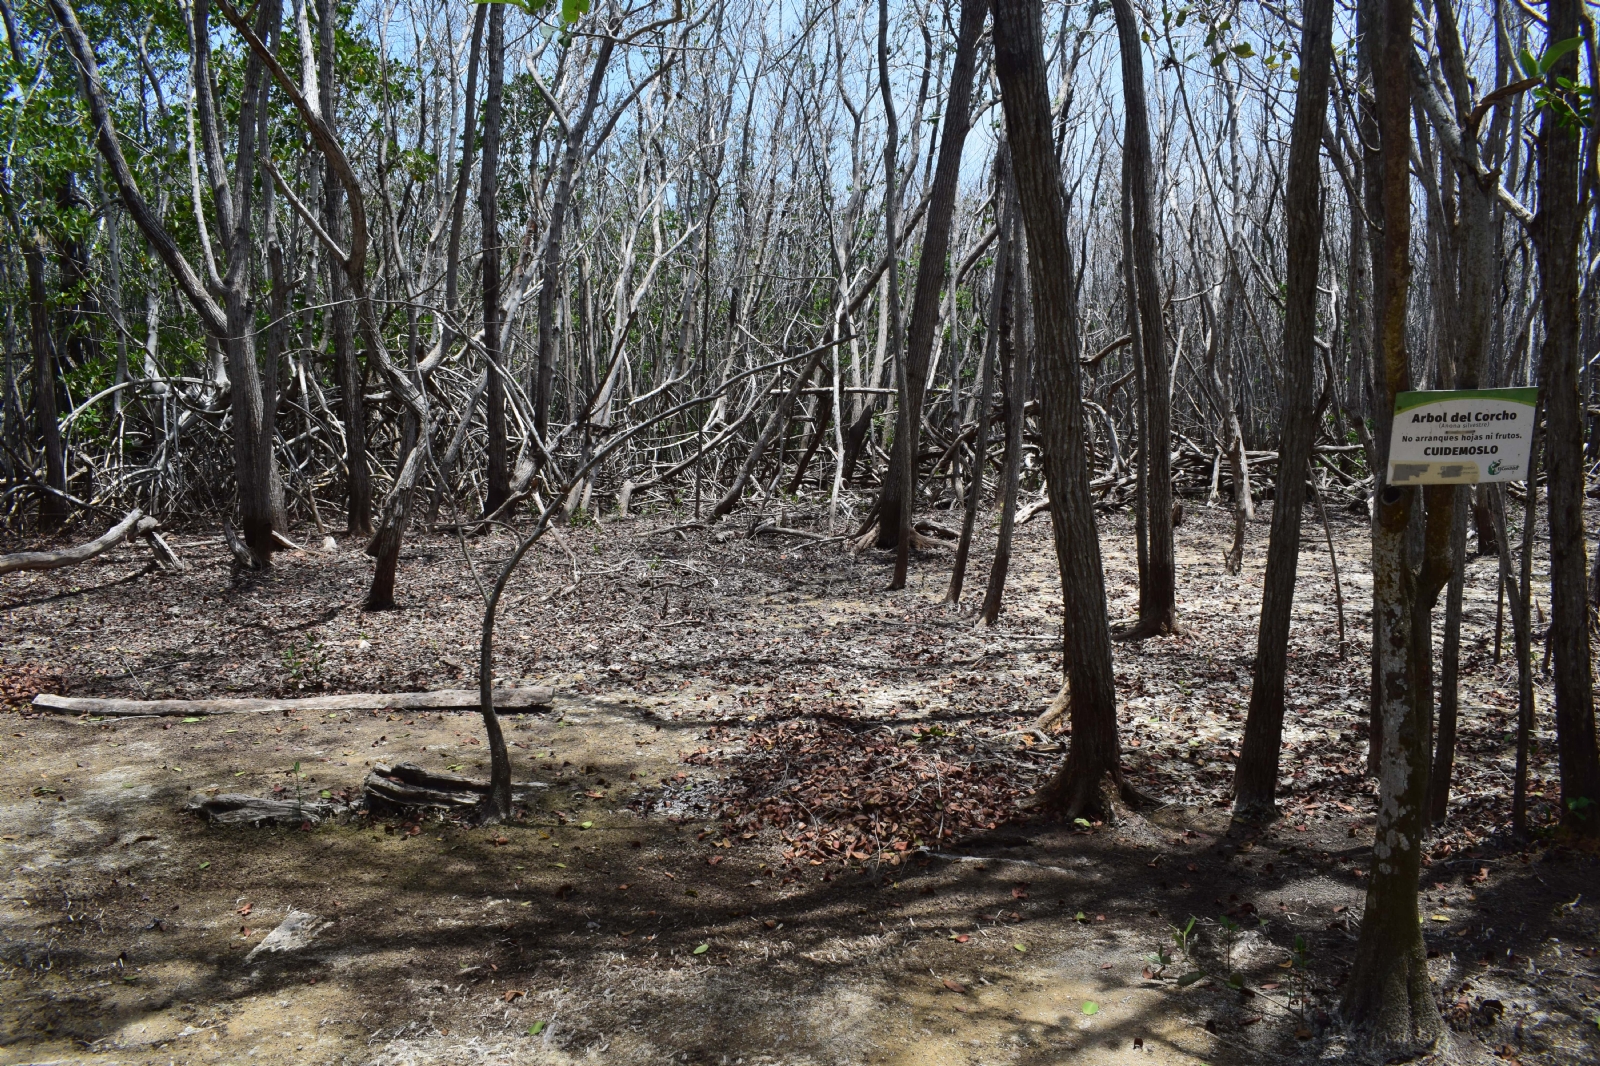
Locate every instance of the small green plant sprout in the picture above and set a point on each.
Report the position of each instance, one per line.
(305, 663)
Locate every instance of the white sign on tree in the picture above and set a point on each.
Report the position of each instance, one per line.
(1461, 437)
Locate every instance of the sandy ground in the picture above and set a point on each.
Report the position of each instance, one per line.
(625, 919)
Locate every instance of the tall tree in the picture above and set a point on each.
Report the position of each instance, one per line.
(498, 474)
(341, 311)
(1019, 62)
(1255, 781)
(905, 417)
(900, 483)
(232, 322)
(1558, 230)
(1158, 588)
(1389, 997)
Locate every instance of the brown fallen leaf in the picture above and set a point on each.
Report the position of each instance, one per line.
(955, 986)
(245, 909)
(512, 993)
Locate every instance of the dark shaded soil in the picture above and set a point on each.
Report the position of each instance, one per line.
(753, 757)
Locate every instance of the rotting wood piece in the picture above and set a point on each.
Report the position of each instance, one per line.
(135, 522)
(453, 699)
(237, 809)
(407, 786)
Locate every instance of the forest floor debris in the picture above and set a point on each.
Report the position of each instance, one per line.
(694, 881)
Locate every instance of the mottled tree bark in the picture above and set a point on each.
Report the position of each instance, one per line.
(1389, 998)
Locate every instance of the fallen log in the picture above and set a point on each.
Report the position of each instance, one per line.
(134, 522)
(452, 699)
(236, 809)
(406, 786)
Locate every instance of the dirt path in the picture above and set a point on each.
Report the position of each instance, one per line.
(648, 908)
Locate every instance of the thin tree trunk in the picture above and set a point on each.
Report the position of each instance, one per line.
(1444, 755)
(1006, 219)
(498, 474)
(905, 416)
(341, 314)
(555, 228)
(932, 272)
(1158, 590)
(1021, 349)
(52, 505)
(1256, 779)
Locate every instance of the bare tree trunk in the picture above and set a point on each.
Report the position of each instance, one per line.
(905, 416)
(452, 266)
(1158, 590)
(1389, 997)
(498, 474)
(931, 275)
(554, 229)
(52, 505)
(1444, 756)
(1095, 752)
(1255, 781)
(1021, 349)
(1006, 221)
(232, 322)
(1559, 229)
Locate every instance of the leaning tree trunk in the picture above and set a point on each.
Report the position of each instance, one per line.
(931, 274)
(1559, 231)
(1255, 782)
(1389, 997)
(1158, 590)
(1019, 62)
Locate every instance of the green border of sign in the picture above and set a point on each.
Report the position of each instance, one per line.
(1405, 401)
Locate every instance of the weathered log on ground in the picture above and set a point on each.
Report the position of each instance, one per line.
(236, 809)
(166, 558)
(453, 699)
(133, 523)
(407, 787)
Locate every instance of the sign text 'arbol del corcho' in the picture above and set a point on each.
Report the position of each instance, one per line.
(1461, 437)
